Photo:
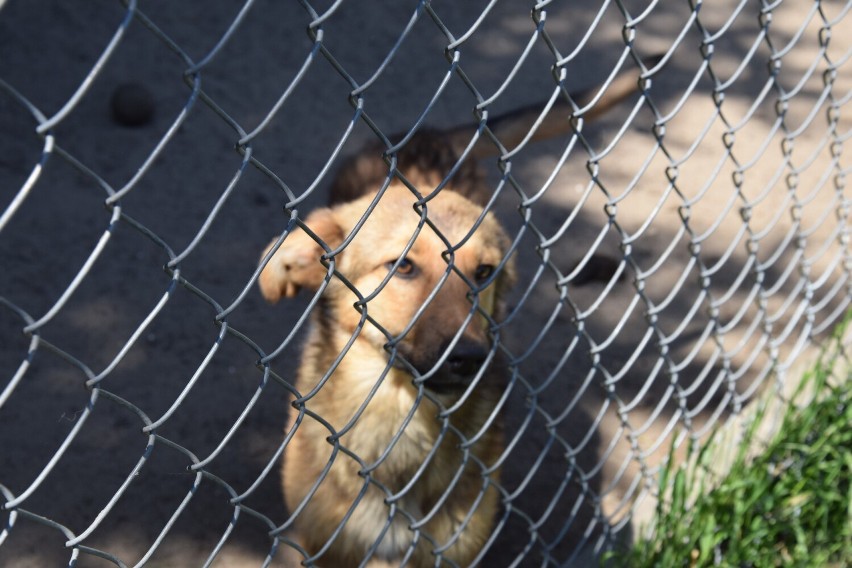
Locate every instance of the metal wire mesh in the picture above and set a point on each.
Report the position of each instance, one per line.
(680, 257)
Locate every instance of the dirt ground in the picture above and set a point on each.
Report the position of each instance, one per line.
(696, 260)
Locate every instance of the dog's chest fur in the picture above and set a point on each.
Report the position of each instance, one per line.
(392, 413)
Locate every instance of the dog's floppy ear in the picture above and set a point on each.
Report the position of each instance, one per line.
(296, 264)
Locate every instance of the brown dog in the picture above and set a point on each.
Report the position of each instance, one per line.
(396, 436)
(414, 422)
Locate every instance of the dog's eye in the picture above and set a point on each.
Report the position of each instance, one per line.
(405, 268)
(483, 272)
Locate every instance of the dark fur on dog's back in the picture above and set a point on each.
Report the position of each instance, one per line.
(432, 153)
(429, 154)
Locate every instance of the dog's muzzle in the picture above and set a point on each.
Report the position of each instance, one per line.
(459, 368)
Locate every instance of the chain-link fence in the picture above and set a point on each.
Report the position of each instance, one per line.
(676, 258)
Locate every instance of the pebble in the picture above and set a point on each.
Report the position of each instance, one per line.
(132, 104)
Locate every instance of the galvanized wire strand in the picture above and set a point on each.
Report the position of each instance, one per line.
(25, 189)
(33, 346)
(51, 464)
(238, 509)
(454, 43)
(190, 383)
(66, 532)
(309, 60)
(418, 122)
(130, 477)
(180, 508)
(511, 75)
(234, 25)
(357, 92)
(161, 145)
(84, 86)
(78, 278)
(214, 211)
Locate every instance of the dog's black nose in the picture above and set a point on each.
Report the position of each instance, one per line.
(458, 369)
(466, 359)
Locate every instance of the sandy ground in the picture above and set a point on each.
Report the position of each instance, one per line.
(718, 225)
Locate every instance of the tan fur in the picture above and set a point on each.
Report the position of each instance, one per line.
(364, 262)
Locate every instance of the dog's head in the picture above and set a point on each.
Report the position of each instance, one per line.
(434, 288)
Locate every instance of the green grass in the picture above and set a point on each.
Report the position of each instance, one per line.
(791, 505)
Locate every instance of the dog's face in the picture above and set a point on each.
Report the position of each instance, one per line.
(432, 291)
